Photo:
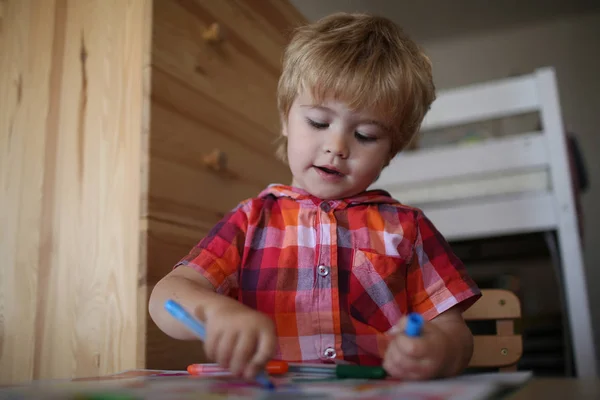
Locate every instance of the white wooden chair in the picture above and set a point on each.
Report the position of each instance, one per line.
(530, 188)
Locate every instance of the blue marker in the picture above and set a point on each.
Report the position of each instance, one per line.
(414, 324)
(179, 313)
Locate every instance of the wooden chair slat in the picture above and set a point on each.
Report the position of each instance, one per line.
(494, 304)
(496, 351)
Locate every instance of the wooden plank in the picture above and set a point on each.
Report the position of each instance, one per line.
(472, 188)
(167, 244)
(253, 28)
(521, 152)
(230, 73)
(142, 295)
(197, 187)
(72, 72)
(494, 216)
(26, 38)
(187, 142)
(494, 304)
(496, 351)
(173, 95)
(281, 15)
(483, 101)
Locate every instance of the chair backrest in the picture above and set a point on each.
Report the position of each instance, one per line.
(504, 349)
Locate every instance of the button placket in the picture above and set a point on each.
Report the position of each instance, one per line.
(330, 353)
(323, 270)
(325, 206)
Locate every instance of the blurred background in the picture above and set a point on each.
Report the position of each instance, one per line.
(127, 129)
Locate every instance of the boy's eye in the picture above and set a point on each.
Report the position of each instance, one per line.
(317, 125)
(363, 138)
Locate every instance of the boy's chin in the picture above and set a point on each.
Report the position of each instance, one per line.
(331, 192)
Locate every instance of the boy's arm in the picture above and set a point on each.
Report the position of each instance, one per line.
(460, 340)
(190, 289)
(237, 337)
(435, 279)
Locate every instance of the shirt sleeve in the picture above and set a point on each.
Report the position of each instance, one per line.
(436, 278)
(219, 254)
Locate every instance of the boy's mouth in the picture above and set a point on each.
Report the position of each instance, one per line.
(329, 170)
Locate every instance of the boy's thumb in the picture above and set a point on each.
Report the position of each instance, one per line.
(399, 327)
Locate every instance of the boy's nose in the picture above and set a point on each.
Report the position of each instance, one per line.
(336, 145)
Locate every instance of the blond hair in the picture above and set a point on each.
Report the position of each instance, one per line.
(367, 62)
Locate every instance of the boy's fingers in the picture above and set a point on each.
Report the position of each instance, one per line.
(398, 365)
(392, 362)
(244, 349)
(225, 349)
(408, 346)
(264, 352)
(413, 347)
(393, 370)
(399, 327)
(211, 345)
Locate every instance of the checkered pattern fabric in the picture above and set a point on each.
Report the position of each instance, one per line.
(333, 275)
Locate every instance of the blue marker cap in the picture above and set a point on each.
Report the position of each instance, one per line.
(414, 325)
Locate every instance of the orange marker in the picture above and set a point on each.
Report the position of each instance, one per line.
(273, 367)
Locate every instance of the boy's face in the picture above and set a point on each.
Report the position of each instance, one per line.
(333, 151)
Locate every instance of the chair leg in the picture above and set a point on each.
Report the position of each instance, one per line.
(566, 330)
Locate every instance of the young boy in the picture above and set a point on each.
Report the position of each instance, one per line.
(326, 270)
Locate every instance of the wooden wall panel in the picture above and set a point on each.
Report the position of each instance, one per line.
(208, 96)
(197, 108)
(70, 142)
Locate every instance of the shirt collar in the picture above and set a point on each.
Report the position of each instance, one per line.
(302, 196)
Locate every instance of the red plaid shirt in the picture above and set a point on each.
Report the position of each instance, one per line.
(333, 275)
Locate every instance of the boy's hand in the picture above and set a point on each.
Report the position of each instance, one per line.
(239, 338)
(417, 358)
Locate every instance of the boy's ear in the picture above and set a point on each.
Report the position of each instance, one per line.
(284, 126)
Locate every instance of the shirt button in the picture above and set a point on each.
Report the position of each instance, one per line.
(325, 206)
(330, 353)
(323, 270)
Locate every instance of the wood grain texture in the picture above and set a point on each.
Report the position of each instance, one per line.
(207, 96)
(494, 304)
(505, 348)
(70, 133)
(496, 351)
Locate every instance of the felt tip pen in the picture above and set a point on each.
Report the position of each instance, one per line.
(414, 325)
(274, 367)
(277, 367)
(179, 313)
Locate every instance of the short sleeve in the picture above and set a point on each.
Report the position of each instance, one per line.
(436, 278)
(218, 255)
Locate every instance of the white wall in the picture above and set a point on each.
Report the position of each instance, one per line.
(572, 46)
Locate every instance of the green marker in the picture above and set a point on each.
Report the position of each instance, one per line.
(105, 396)
(340, 371)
